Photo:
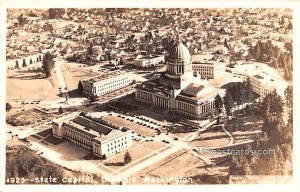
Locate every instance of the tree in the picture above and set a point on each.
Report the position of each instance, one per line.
(8, 107)
(276, 106)
(80, 87)
(127, 158)
(60, 110)
(48, 64)
(121, 61)
(226, 44)
(93, 98)
(289, 48)
(24, 63)
(21, 20)
(56, 13)
(228, 102)
(249, 90)
(257, 51)
(89, 51)
(288, 93)
(243, 94)
(17, 64)
(218, 106)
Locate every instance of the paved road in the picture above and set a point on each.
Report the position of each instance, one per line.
(60, 76)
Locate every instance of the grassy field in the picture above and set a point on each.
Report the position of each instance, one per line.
(30, 117)
(27, 85)
(73, 73)
(245, 127)
(212, 137)
(138, 152)
(175, 165)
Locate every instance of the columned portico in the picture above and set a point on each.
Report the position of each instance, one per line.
(161, 102)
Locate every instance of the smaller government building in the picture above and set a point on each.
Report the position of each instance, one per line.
(106, 83)
(209, 70)
(93, 134)
(263, 78)
(150, 61)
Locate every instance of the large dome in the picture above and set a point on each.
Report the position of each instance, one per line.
(179, 62)
(180, 52)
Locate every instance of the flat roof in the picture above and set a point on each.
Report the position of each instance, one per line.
(207, 63)
(105, 76)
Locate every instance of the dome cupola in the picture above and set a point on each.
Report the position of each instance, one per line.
(179, 60)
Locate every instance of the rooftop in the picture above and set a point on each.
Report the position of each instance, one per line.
(94, 127)
(193, 89)
(105, 76)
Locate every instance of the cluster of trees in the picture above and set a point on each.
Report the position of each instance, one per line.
(271, 107)
(18, 122)
(276, 136)
(278, 139)
(22, 20)
(24, 64)
(55, 13)
(48, 64)
(237, 94)
(288, 93)
(89, 51)
(27, 164)
(275, 56)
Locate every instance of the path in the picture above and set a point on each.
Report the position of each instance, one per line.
(60, 77)
(229, 135)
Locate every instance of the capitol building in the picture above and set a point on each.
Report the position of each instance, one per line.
(178, 89)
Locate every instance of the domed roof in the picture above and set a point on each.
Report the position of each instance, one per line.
(180, 52)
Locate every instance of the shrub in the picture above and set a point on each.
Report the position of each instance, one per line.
(127, 158)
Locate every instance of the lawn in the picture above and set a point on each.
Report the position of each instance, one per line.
(212, 137)
(245, 127)
(27, 85)
(73, 73)
(136, 152)
(175, 165)
(154, 145)
(179, 130)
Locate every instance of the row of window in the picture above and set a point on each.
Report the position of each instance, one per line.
(119, 140)
(79, 137)
(186, 107)
(114, 81)
(119, 145)
(203, 67)
(112, 87)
